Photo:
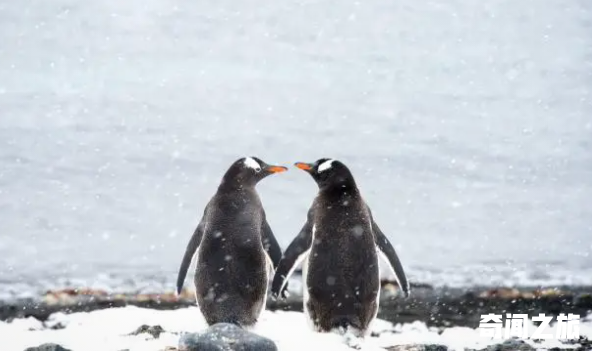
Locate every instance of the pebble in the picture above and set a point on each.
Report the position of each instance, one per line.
(225, 337)
(48, 347)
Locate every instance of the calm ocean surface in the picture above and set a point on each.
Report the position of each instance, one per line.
(468, 126)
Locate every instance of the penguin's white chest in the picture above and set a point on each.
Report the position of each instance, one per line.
(305, 264)
(305, 292)
(305, 288)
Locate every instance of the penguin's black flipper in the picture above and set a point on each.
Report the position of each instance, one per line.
(189, 252)
(295, 253)
(273, 250)
(271, 245)
(387, 249)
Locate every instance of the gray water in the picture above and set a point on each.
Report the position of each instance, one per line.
(467, 124)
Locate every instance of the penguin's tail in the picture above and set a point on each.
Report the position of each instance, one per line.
(234, 320)
(344, 323)
(242, 323)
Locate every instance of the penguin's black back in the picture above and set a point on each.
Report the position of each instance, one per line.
(231, 272)
(343, 276)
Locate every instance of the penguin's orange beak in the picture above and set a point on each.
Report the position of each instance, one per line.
(303, 166)
(276, 169)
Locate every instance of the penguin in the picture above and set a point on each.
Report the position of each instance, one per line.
(236, 248)
(338, 247)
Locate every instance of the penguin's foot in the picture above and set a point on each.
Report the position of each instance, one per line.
(285, 294)
(352, 339)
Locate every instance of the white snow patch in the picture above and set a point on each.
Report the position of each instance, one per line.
(110, 329)
(28, 324)
(301, 258)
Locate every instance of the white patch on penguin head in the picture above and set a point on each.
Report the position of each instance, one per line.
(325, 165)
(251, 163)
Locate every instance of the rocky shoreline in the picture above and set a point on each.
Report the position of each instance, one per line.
(436, 307)
(441, 307)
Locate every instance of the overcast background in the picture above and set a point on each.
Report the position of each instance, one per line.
(468, 126)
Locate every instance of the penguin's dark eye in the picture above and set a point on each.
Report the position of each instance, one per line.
(257, 169)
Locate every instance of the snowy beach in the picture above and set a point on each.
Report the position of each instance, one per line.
(111, 329)
(431, 319)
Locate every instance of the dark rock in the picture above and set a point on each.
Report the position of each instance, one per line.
(583, 300)
(225, 337)
(58, 326)
(511, 345)
(435, 347)
(418, 347)
(565, 349)
(155, 331)
(47, 347)
(583, 343)
(405, 347)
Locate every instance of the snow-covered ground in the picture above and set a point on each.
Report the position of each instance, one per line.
(111, 329)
